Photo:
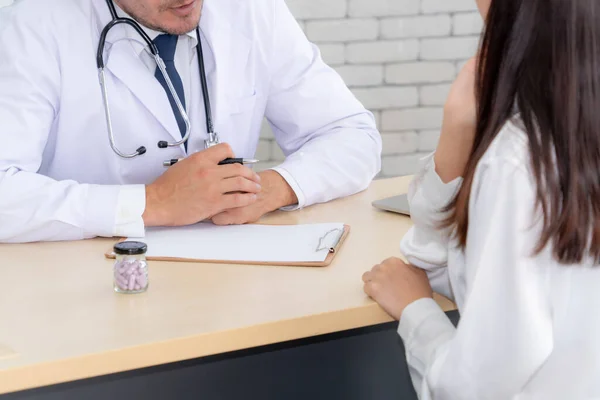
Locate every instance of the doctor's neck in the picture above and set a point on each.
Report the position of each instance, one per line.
(176, 17)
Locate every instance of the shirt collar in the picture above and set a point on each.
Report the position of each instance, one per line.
(134, 36)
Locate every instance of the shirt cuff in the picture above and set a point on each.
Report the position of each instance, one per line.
(434, 189)
(131, 203)
(424, 327)
(295, 187)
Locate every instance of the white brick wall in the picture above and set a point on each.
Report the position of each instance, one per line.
(382, 8)
(419, 26)
(318, 9)
(399, 57)
(342, 30)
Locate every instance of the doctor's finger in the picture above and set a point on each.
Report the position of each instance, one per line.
(217, 153)
(238, 200)
(239, 184)
(235, 170)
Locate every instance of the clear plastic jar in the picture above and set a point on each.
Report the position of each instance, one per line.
(130, 271)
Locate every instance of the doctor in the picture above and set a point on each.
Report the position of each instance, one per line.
(60, 177)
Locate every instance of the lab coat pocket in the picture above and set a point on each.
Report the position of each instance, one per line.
(241, 105)
(241, 125)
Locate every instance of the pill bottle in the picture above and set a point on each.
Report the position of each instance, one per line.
(130, 271)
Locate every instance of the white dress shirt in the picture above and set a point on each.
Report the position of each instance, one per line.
(185, 55)
(529, 328)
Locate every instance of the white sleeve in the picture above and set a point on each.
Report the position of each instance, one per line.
(331, 141)
(505, 331)
(425, 245)
(34, 207)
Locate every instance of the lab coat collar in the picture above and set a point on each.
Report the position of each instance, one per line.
(102, 17)
(135, 37)
(222, 24)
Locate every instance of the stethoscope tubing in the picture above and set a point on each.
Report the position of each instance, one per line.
(212, 135)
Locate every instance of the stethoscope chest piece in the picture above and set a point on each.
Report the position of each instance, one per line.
(213, 140)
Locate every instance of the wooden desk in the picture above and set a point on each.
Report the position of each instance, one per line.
(60, 321)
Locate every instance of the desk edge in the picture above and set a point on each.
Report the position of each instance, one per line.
(187, 348)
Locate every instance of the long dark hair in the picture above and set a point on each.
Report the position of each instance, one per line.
(544, 57)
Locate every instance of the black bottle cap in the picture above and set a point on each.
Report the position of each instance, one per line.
(130, 248)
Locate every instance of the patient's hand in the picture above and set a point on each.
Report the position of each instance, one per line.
(394, 285)
(460, 109)
(458, 128)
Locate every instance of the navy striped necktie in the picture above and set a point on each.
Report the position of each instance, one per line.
(167, 44)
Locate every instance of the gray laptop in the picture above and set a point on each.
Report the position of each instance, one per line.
(397, 204)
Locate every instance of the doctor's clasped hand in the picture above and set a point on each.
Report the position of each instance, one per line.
(197, 188)
(275, 193)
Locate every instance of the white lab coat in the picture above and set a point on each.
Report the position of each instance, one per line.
(59, 178)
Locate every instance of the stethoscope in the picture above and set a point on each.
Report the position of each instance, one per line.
(213, 137)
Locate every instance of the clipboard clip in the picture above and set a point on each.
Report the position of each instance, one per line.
(330, 240)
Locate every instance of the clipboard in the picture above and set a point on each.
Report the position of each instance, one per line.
(333, 250)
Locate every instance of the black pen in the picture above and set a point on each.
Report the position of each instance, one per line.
(226, 161)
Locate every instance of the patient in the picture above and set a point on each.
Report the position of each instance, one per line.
(507, 217)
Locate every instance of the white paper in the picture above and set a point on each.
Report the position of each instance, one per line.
(251, 243)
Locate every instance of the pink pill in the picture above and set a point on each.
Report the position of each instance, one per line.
(137, 287)
(142, 281)
(131, 283)
(122, 283)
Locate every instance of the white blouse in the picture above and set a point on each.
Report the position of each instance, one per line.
(529, 328)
